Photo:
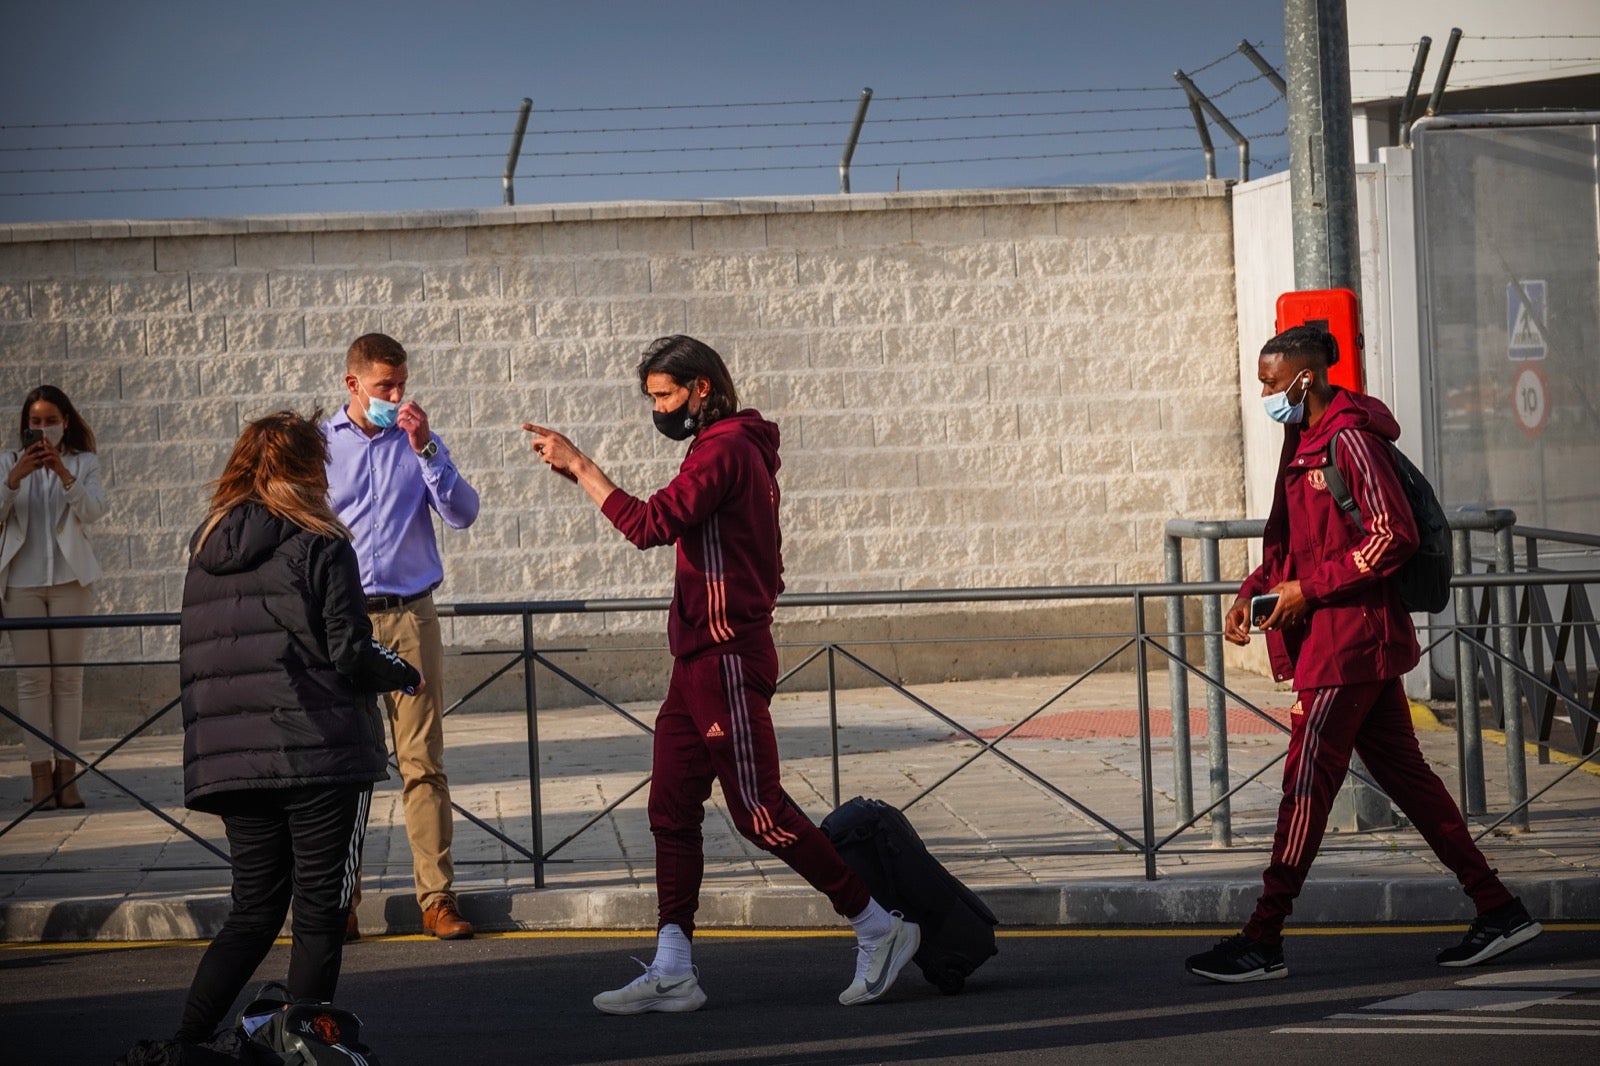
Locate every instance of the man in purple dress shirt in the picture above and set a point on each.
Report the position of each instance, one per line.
(386, 470)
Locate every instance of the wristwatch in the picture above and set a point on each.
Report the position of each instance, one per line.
(429, 450)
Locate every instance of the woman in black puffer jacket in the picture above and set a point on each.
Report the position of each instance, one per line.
(282, 736)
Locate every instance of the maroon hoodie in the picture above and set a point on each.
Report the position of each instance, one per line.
(1357, 629)
(722, 513)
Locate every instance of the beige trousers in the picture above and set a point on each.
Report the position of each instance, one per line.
(49, 695)
(418, 725)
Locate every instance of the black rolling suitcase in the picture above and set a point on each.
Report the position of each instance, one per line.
(877, 842)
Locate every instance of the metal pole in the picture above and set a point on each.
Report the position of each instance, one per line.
(1322, 181)
(833, 725)
(1205, 139)
(1537, 634)
(1267, 70)
(530, 703)
(507, 179)
(1444, 73)
(1198, 97)
(1216, 699)
(1410, 101)
(1469, 738)
(1178, 687)
(1146, 781)
(1510, 696)
(850, 144)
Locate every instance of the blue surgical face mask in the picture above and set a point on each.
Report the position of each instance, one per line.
(1279, 409)
(381, 413)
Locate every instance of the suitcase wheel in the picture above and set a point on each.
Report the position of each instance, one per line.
(949, 982)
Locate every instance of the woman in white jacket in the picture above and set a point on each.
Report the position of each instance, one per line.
(50, 492)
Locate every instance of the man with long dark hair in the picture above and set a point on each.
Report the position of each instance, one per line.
(721, 512)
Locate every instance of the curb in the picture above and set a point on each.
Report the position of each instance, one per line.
(1345, 901)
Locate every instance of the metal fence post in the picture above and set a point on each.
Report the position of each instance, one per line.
(530, 703)
(850, 142)
(1220, 119)
(1537, 634)
(1216, 699)
(833, 725)
(1147, 784)
(1469, 738)
(509, 178)
(1510, 692)
(1178, 687)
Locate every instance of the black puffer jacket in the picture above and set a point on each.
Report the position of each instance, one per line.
(278, 664)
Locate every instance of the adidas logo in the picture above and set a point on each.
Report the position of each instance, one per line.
(715, 731)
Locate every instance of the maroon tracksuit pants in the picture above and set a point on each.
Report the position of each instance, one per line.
(1375, 720)
(716, 725)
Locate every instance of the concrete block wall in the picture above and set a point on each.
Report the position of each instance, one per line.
(974, 388)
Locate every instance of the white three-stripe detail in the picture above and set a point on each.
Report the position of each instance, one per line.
(1305, 776)
(352, 860)
(744, 755)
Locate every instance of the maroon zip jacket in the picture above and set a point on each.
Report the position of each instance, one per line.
(1357, 629)
(722, 513)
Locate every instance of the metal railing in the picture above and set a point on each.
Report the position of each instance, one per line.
(1495, 636)
(1485, 635)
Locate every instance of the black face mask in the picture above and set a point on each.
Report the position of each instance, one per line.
(677, 424)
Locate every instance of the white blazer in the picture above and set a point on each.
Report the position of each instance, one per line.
(85, 504)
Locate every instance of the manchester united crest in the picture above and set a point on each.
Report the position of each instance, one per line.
(1318, 482)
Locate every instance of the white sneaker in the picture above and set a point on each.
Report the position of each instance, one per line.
(877, 968)
(654, 991)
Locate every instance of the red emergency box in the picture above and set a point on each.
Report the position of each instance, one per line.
(1336, 311)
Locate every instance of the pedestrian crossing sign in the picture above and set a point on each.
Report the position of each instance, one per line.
(1525, 320)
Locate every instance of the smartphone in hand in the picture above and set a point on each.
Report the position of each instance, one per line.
(30, 437)
(1261, 608)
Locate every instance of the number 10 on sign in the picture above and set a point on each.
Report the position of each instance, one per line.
(1530, 399)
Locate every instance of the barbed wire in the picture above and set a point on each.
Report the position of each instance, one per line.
(349, 116)
(1268, 106)
(1487, 37)
(1574, 61)
(599, 173)
(1081, 126)
(1231, 54)
(1528, 59)
(594, 151)
(1219, 94)
(593, 131)
(1533, 36)
(253, 118)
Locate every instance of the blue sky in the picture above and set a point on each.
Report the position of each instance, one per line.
(666, 75)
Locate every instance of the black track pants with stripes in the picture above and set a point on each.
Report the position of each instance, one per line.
(300, 845)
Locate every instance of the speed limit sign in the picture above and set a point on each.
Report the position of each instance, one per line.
(1530, 399)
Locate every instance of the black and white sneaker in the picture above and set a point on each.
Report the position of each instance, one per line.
(1493, 933)
(1239, 959)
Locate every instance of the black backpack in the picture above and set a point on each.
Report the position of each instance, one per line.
(281, 1032)
(1424, 579)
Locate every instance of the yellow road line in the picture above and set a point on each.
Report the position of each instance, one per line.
(802, 934)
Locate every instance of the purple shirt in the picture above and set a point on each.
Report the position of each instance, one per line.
(382, 490)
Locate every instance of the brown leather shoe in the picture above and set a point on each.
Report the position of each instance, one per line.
(44, 785)
(444, 921)
(352, 926)
(67, 797)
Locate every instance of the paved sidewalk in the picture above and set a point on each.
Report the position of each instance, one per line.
(116, 872)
